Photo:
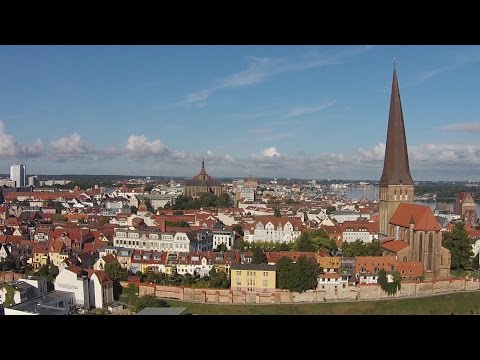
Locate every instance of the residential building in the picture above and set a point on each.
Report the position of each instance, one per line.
(223, 237)
(253, 277)
(272, 228)
(17, 174)
(152, 240)
(347, 215)
(359, 230)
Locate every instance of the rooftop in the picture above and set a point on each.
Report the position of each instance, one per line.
(163, 311)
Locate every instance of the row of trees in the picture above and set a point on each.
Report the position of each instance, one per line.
(359, 248)
(315, 241)
(204, 201)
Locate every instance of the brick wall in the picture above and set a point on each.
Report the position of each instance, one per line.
(329, 293)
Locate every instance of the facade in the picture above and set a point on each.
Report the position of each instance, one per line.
(466, 208)
(412, 224)
(223, 237)
(100, 288)
(152, 240)
(359, 230)
(202, 183)
(73, 279)
(272, 228)
(253, 277)
(347, 215)
(396, 183)
(17, 174)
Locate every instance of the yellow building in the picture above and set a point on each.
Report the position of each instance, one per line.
(39, 256)
(253, 277)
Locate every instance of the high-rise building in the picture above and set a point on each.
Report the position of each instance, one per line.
(17, 174)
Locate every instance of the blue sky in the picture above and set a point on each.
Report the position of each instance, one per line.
(280, 111)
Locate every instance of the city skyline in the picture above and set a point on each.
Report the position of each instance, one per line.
(269, 111)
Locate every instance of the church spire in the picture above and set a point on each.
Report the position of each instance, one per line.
(396, 170)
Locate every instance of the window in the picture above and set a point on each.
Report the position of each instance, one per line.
(265, 283)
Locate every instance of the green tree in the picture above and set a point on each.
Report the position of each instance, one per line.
(58, 207)
(331, 209)
(148, 188)
(218, 279)
(238, 229)
(259, 256)
(359, 248)
(222, 247)
(390, 288)
(305, 217)
(459, 244)
(297, 277)
(276, 211)
(475, 262)
(133, 209)
(304, 243)
(149, 206)
(115, 272)
(58, 218)
(284, 272)
(103, 220)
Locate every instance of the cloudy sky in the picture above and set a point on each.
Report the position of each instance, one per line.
(281, 111)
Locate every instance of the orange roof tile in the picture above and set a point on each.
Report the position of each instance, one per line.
(394, 245)
(420, 215)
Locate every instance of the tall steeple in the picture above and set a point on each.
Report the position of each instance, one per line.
(396, 184)
(396, 169)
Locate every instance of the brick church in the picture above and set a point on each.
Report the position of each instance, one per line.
(413, 230)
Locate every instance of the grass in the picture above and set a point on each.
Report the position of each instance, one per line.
(461, 303)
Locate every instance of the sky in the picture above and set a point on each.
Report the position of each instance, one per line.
(313, 112)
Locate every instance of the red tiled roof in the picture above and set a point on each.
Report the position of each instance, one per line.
(410, 268)
(394, 245)
(421, 216)
(101, 275)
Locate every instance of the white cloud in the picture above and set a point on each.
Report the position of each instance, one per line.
(10, 148)
(464, 127)
(270, 152)
(260, 69)
(139, 146)
(376, 153)
(310, 109)
(209, 152)
(72, 146)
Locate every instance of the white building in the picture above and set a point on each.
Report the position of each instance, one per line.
(91, 287)
(17, 174)
(151, 240)
(272, 228)
(223, 237)
(73, 279)
(52, 303)
(346, 215)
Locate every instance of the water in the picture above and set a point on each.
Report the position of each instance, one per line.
(372, 194)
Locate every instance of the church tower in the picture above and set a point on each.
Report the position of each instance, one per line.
(396, 184)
